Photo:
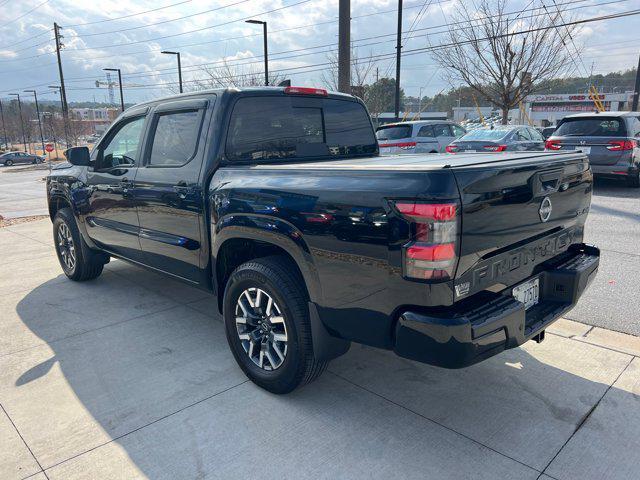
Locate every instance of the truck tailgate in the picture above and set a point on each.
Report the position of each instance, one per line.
(518, 211)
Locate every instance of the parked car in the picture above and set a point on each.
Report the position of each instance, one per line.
(423, 136)
(499, 139)
(277, 202)
(548, 131)
(610, 139)
(14, 158)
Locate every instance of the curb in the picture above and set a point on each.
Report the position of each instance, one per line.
(599, 337)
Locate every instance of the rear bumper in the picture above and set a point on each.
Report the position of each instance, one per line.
(489, 323)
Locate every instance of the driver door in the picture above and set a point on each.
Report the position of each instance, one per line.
(112, 219)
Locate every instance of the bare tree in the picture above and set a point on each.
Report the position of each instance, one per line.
(361, 73)
(229, 75)
(503, 57)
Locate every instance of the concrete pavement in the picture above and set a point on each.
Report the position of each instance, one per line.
(130, 376)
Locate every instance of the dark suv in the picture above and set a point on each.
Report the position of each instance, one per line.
(610, 139)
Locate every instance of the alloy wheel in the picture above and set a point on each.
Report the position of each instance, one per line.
(261, 328)
(66, 247)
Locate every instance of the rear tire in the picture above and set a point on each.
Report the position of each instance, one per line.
(77, 260)
(633, 180)
(267, 324)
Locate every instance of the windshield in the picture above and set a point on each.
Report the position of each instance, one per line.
(591, 127)
(393, 132)
(486, 134)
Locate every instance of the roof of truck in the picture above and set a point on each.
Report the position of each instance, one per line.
(221, 91)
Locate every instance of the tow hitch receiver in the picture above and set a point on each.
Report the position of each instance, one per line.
(539, 337)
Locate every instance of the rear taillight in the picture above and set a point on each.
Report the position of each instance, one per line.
(495, 148)
(402, 145)
(431, 253)
(621, 145)
(552, 145)
(451, 148)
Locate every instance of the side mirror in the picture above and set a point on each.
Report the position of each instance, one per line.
(78, 156)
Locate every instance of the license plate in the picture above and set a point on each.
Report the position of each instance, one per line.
(586, 150)
(528, 293)
(470, 151)
(385, 150)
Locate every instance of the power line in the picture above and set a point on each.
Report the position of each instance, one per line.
(25, 14)
(84, 35)
(127, 16)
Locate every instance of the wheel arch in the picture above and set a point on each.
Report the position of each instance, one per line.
(235, 244)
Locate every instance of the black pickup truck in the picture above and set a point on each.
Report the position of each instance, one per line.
(277, 201)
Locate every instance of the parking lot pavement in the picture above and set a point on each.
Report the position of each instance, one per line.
(22, 191)
(130, 376)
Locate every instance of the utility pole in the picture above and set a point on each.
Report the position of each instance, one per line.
(398, 57)
(265, 46)
(179, 66)
(119, 83)
(66, 133)
(344, 46)
(63, 92)
(4, 126)
(636, 90)
(35, 95)
(24, 138)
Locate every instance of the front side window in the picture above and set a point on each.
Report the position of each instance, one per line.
(122, 148)
(175, 139)
(458, 131)
(274, 128)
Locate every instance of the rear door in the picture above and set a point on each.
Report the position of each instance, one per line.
(168, 190)
(426, 141)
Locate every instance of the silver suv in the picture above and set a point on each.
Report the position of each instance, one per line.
(610, 140)
(421, 136)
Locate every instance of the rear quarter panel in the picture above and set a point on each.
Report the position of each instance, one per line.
(340, 229)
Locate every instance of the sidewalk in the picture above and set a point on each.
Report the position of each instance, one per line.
(130, 376)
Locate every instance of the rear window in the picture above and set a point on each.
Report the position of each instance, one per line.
(273, 128)
(393, 132)
(486, 134)
(591, 127)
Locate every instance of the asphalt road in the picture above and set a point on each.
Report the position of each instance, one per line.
(612, 301)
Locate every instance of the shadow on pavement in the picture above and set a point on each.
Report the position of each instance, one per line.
(137, 366)
(614, 188)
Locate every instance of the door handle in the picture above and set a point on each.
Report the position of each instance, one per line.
(182, 189)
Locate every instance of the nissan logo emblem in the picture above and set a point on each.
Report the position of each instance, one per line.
(545, 209)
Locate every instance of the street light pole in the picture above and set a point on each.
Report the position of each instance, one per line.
(398, 58)
(266, 49)
(179, 67)
(4, 126)
(35, 95)
(119, 83)
(24, 138)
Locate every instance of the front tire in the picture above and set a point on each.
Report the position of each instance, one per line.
(267, 325)
(77, 260)
(8, 163)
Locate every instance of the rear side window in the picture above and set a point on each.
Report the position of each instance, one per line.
(535, 135)
(426, 131)
(591, 127)
(175, 139)
(393, 132)
(272, 128)
(523, 135)
(442, 130)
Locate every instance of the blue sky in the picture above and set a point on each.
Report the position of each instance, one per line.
(208, 32)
